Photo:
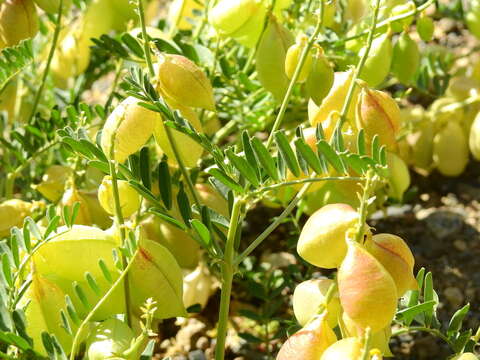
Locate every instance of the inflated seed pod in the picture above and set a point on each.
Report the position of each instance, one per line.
(421, 144)
(309, 342)
(189, 150)
(377, 66)
(335, 99)
(122, 12)
(69, 254)
(395, 255)
(72, 196)
(44, 301)
(406, 58)
(322, 241)
(378, 114)
(378, 340)
(98, 215)
(239, 19)
(110, 338)
(128, 127)
(466, 356)
(155, 274)
(307, 298)
(13, 212)
(461, 87)
(450, 150)
(399, 176)
(474, 139)
(321, 77)
(270, 58)
(400, 10)
(184, 82)
(292, 59)
(425, 27)
(182, 13)
(443, 110)
(350, 348)
(368, 293)
(53, 182)
(129, 198)
(18, 21)
(355, 10)
(210, 197)
(197, 286)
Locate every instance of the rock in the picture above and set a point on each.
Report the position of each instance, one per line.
(444, 223)
(454, 296)
(196, 355)
(188, 335)
(460, 245)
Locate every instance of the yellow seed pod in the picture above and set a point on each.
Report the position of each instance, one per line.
(474, 139)
(239, 19)
(322, 241)
(377, 66)
(309, 342)
(69, 254)
(98, 215)
(189, 150)
(378, 114)
(182, 13)
(399, 176)
(18, 21)
(355, 10)
(406, 58)
(307, 298)
(72, 196)
(270, 58)
(350, 348)
(197, 286)
(129, 198)
(450, 150)
(397, 258)
(109, 338)
(368, 293)
(425, 27)
(321, 77)
(462, 87)
(212, 199)
(53, 182)
(129, 127)
(184, 82)
(122, 12)
(44, 300)
(335, 99)
(378, 340)
(421, 144)
(13, 212)
(466, 356)
(400, 10)
(441, 112)
(155, 274)
(292, 59)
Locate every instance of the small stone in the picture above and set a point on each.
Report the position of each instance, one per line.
(202, 343)
(444, 223)
(460, 245)
(196, 355)
(454, 296)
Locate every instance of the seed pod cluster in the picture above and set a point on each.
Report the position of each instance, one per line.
(18, 21)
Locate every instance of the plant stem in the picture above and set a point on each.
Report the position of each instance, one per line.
(363, 210)
(366, 346)
(356, 74)
(118, 72)
(228, 270)
(308, 180)
(296, 74)
(168, 130)
(56, 34)
(387, 22)
(273, 225)
(79, 332)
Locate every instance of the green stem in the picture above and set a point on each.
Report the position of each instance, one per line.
(202, 24)
(168, 130)
(85, 322)
(387, 22)
(304, 181)
(146, 42)
(56, 34)
(228, 270)
(363, 210)
(358, 70)
(366, 346)
(118, 72)
(296, 74)
(273, 225)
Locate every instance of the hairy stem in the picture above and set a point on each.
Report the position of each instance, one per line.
(228, 270)
(296, 74)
